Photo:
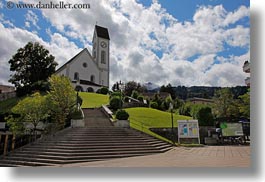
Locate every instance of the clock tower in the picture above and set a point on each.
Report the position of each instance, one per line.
(100, 53)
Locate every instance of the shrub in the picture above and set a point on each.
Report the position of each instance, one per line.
(76, 114)
(115, 94)
(104, 90)
(140, 98)
(115, 103)
(122, 115)
(126, 99)
(135, 94)
(90, 89)
(154, 105)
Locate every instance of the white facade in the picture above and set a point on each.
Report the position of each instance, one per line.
(90, 72)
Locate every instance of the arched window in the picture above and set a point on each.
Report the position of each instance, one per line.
(90, 89)
(103, 57)
(76, 76)
(92, 78)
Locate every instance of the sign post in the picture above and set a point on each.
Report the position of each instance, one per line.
(188, 129)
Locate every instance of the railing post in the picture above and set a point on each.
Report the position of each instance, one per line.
(5, 146)
(13, 142)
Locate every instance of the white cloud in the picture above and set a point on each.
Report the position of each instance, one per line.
(15, 38)
(31, 18)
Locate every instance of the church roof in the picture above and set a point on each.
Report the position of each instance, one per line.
(102, 32)
(63, 66)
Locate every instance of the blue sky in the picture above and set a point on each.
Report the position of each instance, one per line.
(191, 42)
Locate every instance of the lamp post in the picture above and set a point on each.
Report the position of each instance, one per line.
(172, 123)
(121, 87)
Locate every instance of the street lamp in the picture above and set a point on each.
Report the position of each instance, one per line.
(172, 124)
(121, 87)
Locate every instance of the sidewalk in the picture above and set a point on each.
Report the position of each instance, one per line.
(208, 156)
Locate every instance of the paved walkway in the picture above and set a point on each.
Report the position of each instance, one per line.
(208, 156)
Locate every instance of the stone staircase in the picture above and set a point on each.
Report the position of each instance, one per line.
(92, 143)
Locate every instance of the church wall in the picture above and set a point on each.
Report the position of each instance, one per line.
(84, 72)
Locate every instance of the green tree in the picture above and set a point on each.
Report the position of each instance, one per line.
(205, 116)
(135, 94)
(32, 109)
(32, 66)
(169, 89)
(224, 104)
(244, 105)
(131, 86)
(62, 99)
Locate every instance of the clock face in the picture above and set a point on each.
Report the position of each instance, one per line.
(103, 44)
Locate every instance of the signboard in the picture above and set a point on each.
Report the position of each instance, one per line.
(232, 129)
(188, 129)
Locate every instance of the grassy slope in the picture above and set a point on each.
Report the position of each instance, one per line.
(92, 100)
(145, 118)
(7, 105)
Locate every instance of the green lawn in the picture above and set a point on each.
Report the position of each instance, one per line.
(7, 105)
(93, 100)
(142, 119)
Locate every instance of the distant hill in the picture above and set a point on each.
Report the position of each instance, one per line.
(151, 87)
(184, 93)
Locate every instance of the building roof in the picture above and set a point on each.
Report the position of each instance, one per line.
(86, 82)
(62, 67)
(102, 32)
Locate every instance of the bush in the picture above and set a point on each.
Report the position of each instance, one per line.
(104, 90)
(135, 94)
(90, 89)
(76, 114)
(115, 103)
(140, 98)
(154, 105)
(115, 94)
(122, 115)
(126, 99)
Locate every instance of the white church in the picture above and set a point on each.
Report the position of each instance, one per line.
(90, 72)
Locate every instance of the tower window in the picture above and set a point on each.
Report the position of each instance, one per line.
(103, 57)
(76, 76)
(92, 78)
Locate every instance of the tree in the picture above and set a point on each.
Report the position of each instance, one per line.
(32, 110)
(224, 104)
(32, 66)
(169, 89)
(62, 99)
(205, 116)
(244, 105)
(131, 86)
(135, 94)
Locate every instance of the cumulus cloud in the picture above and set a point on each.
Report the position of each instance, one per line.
(31, 19)
(189, 50)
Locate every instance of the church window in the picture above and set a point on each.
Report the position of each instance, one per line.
(84, 65)
(76, 76)
(92, 78)
(103, 57)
